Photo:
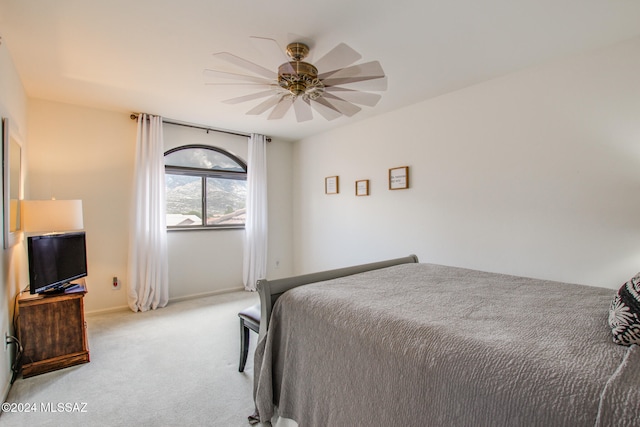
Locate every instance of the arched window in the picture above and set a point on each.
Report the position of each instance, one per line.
(206, 188)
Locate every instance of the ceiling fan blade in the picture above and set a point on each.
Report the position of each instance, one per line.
(250, 97)
(355, 96)
(265, 105)
(233, 76)
(367, 70)
(339, 57)
(347, 80)
(325, 109)
(273, 52)
(302, 109)
(247, 65)
(281, 108)
(377, 85)
(345, 107)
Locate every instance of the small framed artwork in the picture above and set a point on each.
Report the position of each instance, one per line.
(331, 185)
(12, 185)
(399, 178)
(362, 187)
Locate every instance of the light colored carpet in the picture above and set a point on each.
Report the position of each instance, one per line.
(176, 366)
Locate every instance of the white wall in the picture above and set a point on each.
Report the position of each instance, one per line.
(85, 153)
(13, 269)
(533, 174)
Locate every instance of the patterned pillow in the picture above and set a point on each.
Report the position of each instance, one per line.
(624, 313)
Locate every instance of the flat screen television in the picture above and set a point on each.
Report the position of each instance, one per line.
(55, 260)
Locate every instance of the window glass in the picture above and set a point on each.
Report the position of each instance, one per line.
(205, 179)
(202, 158)
(226, 201)
(184, 200)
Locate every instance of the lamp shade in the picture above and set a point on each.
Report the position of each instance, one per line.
(52, 215)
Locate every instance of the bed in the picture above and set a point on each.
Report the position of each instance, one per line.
(406, 343)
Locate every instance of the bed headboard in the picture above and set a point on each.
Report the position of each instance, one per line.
(270, 290)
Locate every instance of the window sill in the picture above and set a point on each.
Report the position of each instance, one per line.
(210, 228)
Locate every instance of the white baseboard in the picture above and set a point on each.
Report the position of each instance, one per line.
(206, 294)
(177, 299)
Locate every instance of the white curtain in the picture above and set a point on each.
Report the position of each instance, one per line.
(255, 245)
(148, 279)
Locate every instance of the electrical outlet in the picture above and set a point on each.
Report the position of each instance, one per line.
(115, 284)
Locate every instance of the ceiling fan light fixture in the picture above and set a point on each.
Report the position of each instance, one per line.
(297, 77)
(296, 88)
(314, 90)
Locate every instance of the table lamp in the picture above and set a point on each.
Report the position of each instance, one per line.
(52, 216)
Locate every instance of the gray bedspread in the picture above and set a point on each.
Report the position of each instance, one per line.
(429, 345)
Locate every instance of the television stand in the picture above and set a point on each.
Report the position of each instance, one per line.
(52, 330)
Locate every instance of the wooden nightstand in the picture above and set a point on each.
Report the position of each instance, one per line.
(52, 331)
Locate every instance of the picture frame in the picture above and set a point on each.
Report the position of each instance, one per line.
(12, 185)
(362, 187)
(331, 185)
(399, 178)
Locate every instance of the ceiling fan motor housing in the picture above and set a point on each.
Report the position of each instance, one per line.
(298, 77)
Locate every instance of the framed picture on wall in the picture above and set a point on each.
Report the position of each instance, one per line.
(331, 185)
(362, 187)
(12, 185)
(399, 178)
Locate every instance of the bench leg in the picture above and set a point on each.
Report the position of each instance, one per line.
(244, 345)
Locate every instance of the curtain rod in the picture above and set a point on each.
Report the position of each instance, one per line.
(134, 116)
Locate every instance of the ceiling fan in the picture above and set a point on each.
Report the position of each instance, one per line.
(334, 86)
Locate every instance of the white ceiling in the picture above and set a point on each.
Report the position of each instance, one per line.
(148, 55)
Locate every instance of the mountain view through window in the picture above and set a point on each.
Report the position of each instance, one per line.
(204, 179)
